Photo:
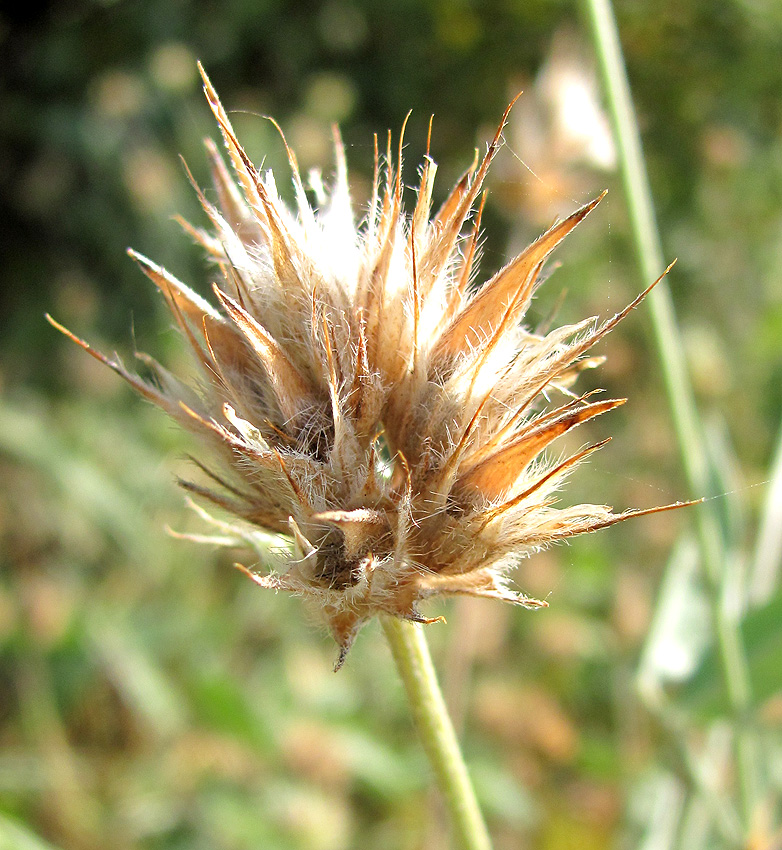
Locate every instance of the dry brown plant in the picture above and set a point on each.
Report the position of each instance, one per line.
(361, 396)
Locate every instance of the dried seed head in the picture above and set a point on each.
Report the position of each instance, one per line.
(363, 400)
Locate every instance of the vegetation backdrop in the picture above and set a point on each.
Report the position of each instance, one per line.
(150, 696)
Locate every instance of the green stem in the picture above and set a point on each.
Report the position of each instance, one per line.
(680, 395)
(723, 814)
(414, 663)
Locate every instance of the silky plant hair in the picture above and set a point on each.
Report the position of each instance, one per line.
(361, 399)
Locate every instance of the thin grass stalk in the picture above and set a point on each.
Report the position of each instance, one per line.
(670, 351)
(724, 818)
(430, 715)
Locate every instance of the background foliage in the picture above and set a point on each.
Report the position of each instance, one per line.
(149, 695)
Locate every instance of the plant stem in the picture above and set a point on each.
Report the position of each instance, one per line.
(688, 428)
(414, 663)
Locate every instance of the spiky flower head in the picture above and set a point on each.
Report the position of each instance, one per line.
(364, 399)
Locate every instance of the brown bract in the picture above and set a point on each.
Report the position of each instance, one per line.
(363, 398)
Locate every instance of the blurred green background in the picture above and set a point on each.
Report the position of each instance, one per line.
(150, 696)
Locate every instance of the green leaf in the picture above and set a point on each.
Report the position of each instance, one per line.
(680, 628)
(762, 638)
(767, 557)
(223, 705)
(14, 836)
(143, 685)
